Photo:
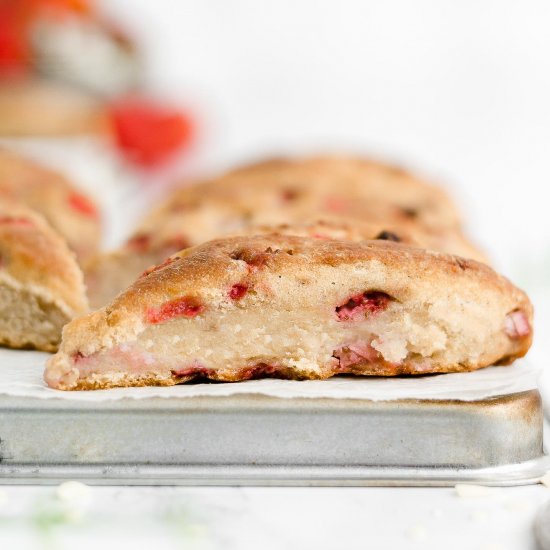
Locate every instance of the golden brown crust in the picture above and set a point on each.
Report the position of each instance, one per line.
(432, 313)
(69, 211)
(109, 273)
(344, 186)
(208, 264)
(39, 277)
(129, 381)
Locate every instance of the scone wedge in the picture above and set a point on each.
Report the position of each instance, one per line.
(299, 308)
(71, 212)
(41, 285)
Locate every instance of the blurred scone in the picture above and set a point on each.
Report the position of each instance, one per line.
(299, 308)
(369, 196)
(69, 211)
(41, 285)
(334, 183)
(45, 109)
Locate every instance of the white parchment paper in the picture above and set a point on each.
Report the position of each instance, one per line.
(21, 375)
(123, 195)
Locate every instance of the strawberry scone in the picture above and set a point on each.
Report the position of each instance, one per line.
(299, 308)
(40, 108)
(69, 211)
(41, 285)
(244, 199)
(333, 183)
(344, 186)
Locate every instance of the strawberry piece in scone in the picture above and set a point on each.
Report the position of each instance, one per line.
(311, 308)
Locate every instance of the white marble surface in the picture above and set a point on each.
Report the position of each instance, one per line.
(268, 518)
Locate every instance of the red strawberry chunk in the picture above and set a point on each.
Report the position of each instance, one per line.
(195, 369)
(15, 50)
(238, 291)
(186, 306)
(176, 243)
(148, 133)
(356, 353)
(82, 204)
(338, 205)
(255, 259)
(78, 357)
(139, 243)
(368, 303)
(14, 221)
(261, 370)
(516, 325)
(166, 262)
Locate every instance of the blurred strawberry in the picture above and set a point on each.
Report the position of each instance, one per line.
(148, 133)
(74, 6)
(15, 51)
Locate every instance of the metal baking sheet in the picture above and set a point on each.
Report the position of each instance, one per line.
(260, 440)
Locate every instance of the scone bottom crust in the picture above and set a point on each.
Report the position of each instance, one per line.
(296, 308)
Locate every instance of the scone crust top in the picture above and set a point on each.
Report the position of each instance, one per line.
(297, 274)
(291, 258)
(291, 191)
(71, 212)
(288, 190)
(32, 254)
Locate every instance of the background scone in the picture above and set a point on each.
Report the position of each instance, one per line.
(69, 211)
(286, 190)
(42, 108)
(109, 273)
(41, 285)
(335, 182)
(373, 196)
(299, 308)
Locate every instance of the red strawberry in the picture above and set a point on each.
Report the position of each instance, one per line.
(139, 243)
(187, 306)
(238, 291)
(148, 133)
(15, 53)
(83, 205)
(516, 325)
(19, 222)
(367, 303)
(153, 268)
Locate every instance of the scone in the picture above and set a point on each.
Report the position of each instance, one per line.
(44, 109)
(300, 308)
(69, 211)
(109, 273)
(353, 191)
(334, 183)
(337, 186)
(41, 285)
